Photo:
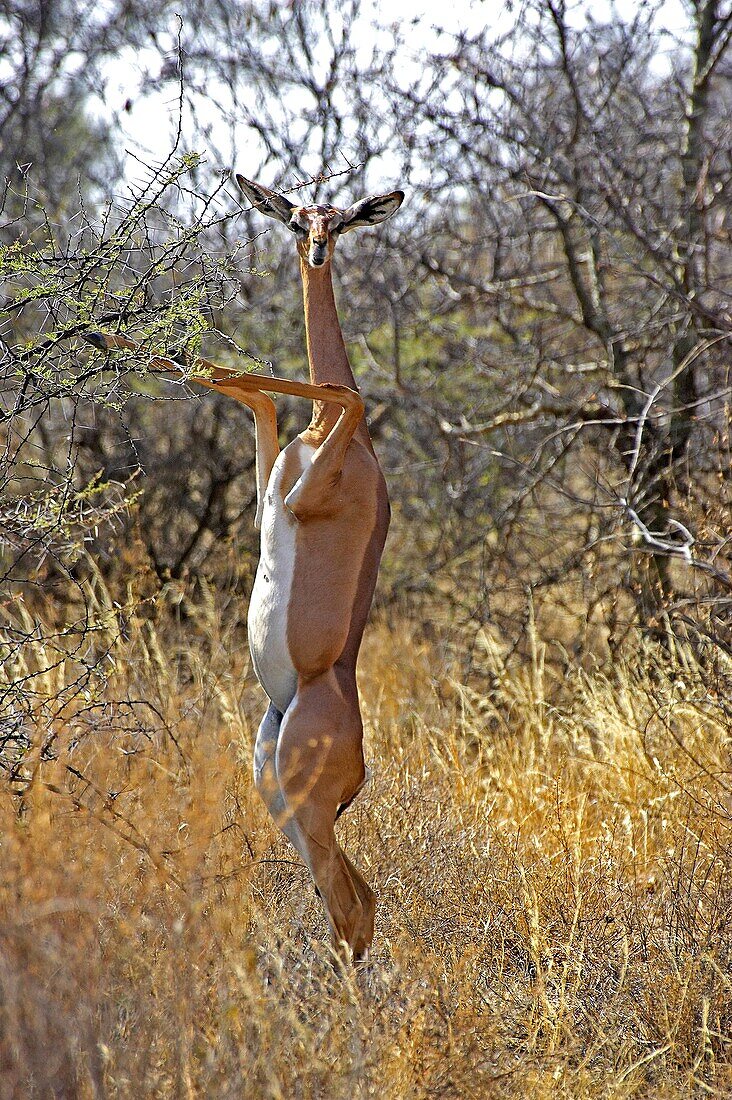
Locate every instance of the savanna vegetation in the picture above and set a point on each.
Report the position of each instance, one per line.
(542, 339)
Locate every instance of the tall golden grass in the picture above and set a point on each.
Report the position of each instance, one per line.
(553, 872)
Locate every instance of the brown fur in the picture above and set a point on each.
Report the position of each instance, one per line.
(309, 761)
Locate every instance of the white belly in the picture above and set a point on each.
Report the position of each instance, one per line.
(267, 620)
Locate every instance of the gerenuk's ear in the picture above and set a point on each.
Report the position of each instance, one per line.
(370, 211)
(266, 201)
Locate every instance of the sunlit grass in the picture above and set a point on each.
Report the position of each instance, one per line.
(553, 878)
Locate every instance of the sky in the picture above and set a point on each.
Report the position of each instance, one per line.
(149, 124)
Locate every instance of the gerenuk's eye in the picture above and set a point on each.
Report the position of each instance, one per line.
(297, 229)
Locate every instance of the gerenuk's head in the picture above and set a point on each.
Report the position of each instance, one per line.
(318, 227)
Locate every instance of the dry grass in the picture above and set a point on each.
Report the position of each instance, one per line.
(554, 883)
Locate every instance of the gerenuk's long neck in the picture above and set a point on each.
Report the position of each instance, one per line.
(327, 355)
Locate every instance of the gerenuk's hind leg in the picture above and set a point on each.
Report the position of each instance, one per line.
(367, 897)
(319, 766)
(265, 774)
